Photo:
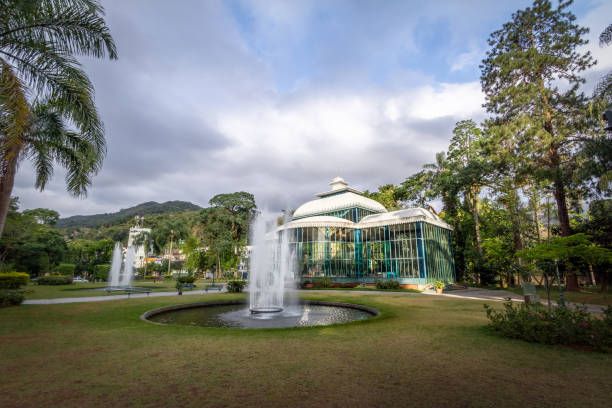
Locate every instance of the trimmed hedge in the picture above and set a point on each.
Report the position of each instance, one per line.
(65, 269)
(55, 280)
(13, 280)
(388, 284)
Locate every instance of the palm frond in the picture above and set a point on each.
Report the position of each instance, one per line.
(15, 107)
(76, 26)
(605, 38)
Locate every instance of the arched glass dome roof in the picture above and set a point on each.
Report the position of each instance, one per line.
(340, 197)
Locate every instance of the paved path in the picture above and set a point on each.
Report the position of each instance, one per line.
(469, 293)
(104, 298)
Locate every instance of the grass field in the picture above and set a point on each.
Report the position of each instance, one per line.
(422, 351)
(589, 295)
(34, 291)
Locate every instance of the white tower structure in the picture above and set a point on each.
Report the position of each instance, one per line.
(140, 251)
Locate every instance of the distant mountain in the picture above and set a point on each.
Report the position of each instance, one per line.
(150, 207)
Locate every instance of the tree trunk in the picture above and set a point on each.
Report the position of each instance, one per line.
(476, 220)
(7, 180)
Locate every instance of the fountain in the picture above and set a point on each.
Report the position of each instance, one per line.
(271, 269)
(121, 276)
(272, 301)
(115, 270)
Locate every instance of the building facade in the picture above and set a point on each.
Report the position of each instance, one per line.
(348, 237)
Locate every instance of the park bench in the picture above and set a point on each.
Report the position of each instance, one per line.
(213, 287)
(129, 290)
(188, 286)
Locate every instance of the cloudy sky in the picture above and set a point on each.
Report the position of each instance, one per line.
(278, 97)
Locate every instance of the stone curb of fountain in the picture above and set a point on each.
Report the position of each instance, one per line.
(150, 313)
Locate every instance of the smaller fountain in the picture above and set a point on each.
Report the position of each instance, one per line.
(121, 276)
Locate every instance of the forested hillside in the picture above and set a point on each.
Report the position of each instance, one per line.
(125, 214)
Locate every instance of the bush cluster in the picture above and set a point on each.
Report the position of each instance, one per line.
(571, 327)
(10, 298)
(322, 282)
(13, 280)
(388, 284)
(235, 285)
(55, 280)
(65, 269)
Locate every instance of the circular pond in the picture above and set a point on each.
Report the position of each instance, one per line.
(237, 315)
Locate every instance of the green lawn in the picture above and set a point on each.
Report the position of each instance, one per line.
(422, 351)
(589, 295)
(34, 291)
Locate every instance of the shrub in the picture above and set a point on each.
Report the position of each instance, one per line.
(13, 280)
(235, 285)
(388, 284)
(10, 298)
(55, 280)
(185, 279)
(323, 282)
(101, 271)
(65, 269)
(533, 322)
(149, 277)
(168, 276)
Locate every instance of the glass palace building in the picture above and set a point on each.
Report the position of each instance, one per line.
(350, 238)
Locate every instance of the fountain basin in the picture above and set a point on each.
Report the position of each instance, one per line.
(235, 314)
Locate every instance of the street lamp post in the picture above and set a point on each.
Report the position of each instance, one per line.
(170, 257)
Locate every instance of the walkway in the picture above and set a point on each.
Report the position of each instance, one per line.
(469, 293)
(104, 298)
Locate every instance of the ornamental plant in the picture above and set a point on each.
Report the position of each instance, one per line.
(439, 285)
(533, 322)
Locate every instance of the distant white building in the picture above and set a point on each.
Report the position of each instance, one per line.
(140, 250)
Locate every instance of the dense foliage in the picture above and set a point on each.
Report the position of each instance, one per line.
(515, 187)
(533, 322)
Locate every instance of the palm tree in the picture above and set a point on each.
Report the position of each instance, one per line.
(47, 110)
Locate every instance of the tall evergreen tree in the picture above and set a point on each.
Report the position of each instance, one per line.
(531, 75)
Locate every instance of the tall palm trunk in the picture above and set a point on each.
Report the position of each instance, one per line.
(7, 180)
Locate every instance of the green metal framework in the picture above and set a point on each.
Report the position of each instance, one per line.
(410, 252)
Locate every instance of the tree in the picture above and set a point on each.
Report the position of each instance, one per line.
(43, 216)
(39, 40)
(388, 195)
(241, 209)
(529, 58)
